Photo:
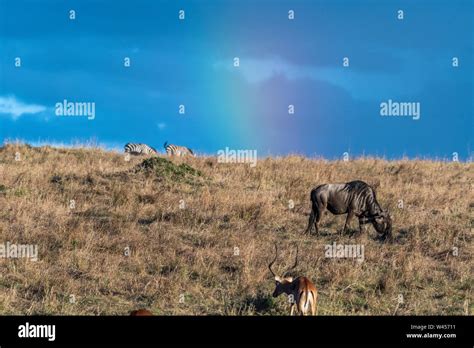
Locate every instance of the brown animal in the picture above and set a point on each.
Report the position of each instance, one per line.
(301, 291)
(141, 313)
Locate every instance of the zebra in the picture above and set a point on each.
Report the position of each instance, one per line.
(139, 149)
(175, 150)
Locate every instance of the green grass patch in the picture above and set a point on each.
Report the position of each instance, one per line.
(165, 169)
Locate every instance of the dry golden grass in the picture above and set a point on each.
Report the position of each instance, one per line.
(182, 260)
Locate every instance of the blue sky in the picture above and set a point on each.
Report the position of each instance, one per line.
(282, 62)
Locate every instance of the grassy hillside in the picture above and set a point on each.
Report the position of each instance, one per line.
(201, 234)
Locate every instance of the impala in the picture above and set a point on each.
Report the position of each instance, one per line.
(301, 291)
(141, 313)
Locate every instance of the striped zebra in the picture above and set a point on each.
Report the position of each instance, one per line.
(175, 150)
(139, 149)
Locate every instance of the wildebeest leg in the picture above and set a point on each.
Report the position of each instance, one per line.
(361, 228)
(362, 222)
(312, 218)
(350, 214)
(319, 214)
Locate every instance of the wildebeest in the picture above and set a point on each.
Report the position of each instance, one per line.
(353, 198)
